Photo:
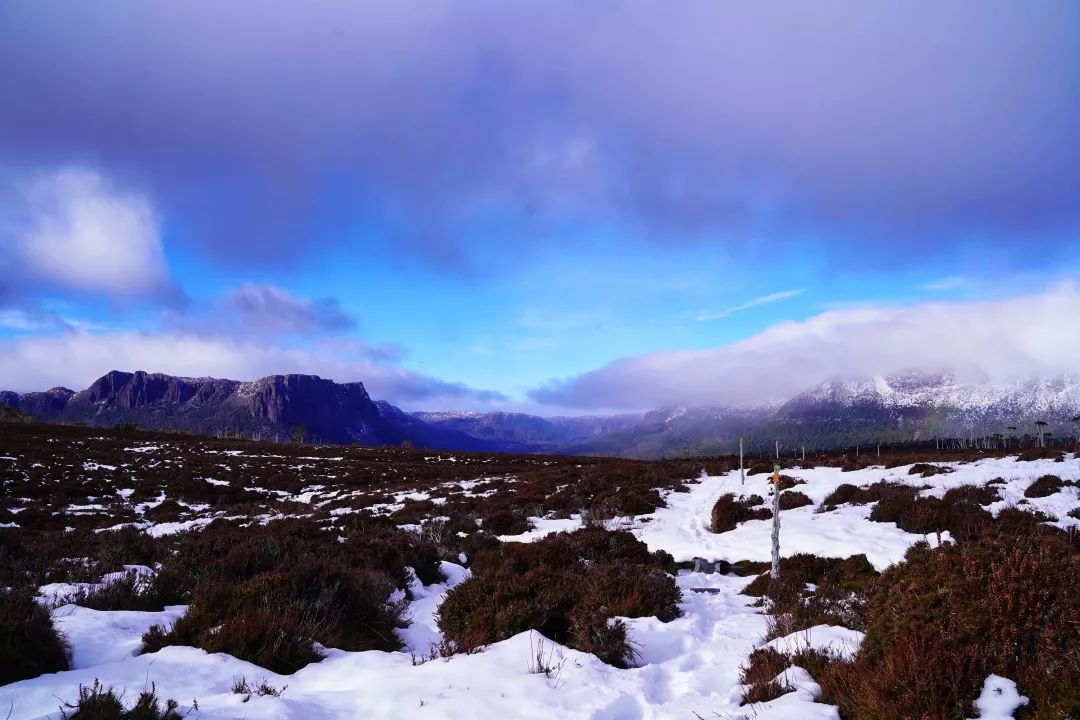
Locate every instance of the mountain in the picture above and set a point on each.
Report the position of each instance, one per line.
(903, 407)
(274, 407)
(529, 430)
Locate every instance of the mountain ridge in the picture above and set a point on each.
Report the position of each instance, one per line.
(902, 407)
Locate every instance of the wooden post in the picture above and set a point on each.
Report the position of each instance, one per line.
(777, 449)
(742, 471)
(775, 572)
(803, 454)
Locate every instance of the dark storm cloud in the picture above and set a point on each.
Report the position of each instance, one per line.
(264, 132)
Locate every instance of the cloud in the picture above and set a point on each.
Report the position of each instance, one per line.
(751, 303)
(256, 310)
(37, 320)
(75, 359)
(1025, 336)
(917, 126)
(953, 282)
(72, 230)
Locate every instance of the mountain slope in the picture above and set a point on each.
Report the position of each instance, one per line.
(274, 407)
(842, 413)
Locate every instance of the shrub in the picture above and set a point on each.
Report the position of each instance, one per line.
(98, 703)
(1003, 604)
(261, 687)
(759, 675)
(849, 494)
(787, 482)
(568, 587)
(505, 522)
(838, 598)
(728, 512)
(1046, 485)
(275, 618)
(29, 644)
(1038, 453)
(956, 512)
(794, 499)
(131, 591)
(929, 470)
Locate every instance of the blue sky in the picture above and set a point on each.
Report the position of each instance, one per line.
(539, 206)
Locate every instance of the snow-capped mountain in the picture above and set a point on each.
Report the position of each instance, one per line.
(898, 408)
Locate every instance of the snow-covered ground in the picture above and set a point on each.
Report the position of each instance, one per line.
(687, 666)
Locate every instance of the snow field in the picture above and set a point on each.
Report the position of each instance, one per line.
(690, 665)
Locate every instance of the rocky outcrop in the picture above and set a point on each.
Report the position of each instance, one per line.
(275, 407)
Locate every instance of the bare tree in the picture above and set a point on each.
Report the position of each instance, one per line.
(1040, 426)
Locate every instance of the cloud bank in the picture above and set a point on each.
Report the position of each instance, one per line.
(917, 126)
(75, 359)
(1027, 336)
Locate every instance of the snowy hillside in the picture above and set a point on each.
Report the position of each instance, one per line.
(689, 667)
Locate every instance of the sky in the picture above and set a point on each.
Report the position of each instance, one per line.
(554, 207)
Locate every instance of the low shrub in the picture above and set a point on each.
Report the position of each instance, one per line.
(1046, 485)
(958, 511)
(792, 499)
(568, 587)
(275, 618)
(1038, 453)
(837, 598)
(787, 482)
(131, 591)
(262, 688)
(944, 619)
(759, 675)
(929, 469)
(29, 644)
(505, 522)
(848, 494)
(728, 512)
(98, 703)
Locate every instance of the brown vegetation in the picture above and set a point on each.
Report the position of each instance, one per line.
(568, 587)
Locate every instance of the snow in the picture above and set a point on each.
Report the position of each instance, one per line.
(682, 528)
(54, 594)
(542, 527)
(999, 699)
(99, 637)
(689, 666)
(834, 639)
(424, 630)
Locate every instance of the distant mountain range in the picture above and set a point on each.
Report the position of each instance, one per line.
(898, 408)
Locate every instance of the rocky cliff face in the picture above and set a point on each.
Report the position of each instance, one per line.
(274, 407)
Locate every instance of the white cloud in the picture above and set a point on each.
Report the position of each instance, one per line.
(72, 229)
(75, 359)
(953, 282)
(751, 303)
(1024, 336)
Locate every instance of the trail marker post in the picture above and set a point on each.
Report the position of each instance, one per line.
(775, 573)
(742, 471)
